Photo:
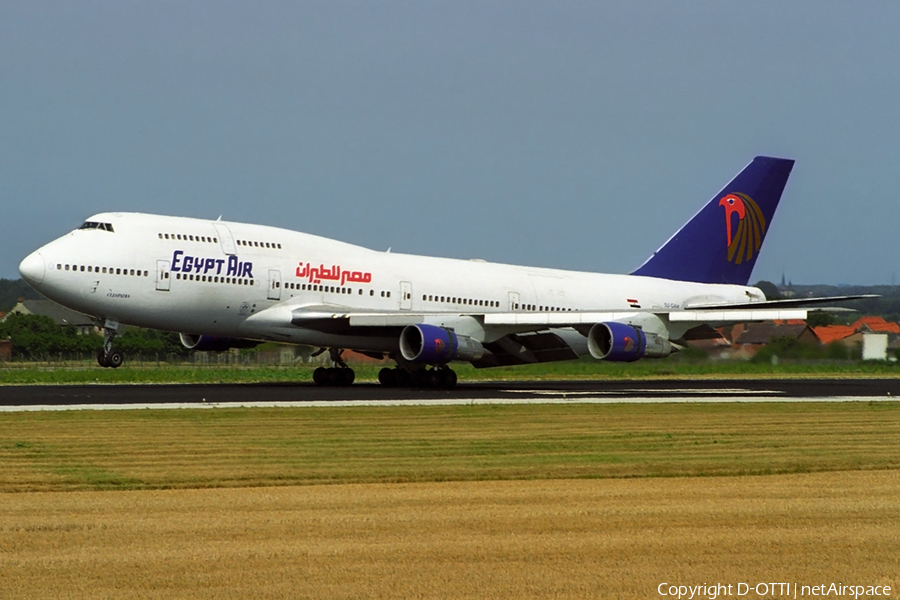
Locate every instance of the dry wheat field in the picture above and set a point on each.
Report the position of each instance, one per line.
(575, 501)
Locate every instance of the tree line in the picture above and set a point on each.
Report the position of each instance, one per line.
(35, 336)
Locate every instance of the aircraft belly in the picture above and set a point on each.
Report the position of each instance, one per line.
(372, 342)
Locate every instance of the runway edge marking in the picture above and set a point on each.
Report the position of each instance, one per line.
(444, 402)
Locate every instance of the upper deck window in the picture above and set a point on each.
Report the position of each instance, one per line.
(94, 225)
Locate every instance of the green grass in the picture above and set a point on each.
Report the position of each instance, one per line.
(195, 448)
(33, 373)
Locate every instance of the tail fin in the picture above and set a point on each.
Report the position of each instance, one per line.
(721, 242)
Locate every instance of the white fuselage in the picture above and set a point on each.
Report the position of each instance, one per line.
(211, 277)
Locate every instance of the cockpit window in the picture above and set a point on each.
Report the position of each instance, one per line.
(94, 225)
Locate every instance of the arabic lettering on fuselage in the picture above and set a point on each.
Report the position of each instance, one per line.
(198, 264)
(333, 273)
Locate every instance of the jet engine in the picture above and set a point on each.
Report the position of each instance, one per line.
(435, 345)
(624, 343)
(214, 343)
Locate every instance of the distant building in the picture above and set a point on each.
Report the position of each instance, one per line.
(748, 338)
(786, 289)
(6, 349)
(60, 314)
(851, 335)
(874, 346)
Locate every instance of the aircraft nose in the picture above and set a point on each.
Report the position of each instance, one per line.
(32, 268)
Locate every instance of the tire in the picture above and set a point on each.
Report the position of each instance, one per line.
(101, 359)
(320, 376)
(401, 378)
(418, 379)
(346, 377)
(434, 378)
(115, 359)
(386, 377)
(332, 376)
(448, 379)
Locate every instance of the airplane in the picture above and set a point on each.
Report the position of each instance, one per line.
(225, 285)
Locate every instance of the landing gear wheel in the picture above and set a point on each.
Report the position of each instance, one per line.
(115, 359)
(334, 376)
(101, 359)
(419, 379)
(401, 378)
(434, 378)
(346, 376)
(448, 378)
(386, 377)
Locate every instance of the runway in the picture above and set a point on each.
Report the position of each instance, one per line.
(110, 397)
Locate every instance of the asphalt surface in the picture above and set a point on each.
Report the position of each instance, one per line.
(512, 392)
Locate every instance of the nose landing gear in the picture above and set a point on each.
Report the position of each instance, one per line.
(107, 357)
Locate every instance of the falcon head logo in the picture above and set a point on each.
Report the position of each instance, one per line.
(629, 344)
(746, 235)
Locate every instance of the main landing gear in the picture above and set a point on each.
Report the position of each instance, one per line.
(436, 377)
(107, 357)
(338, 375)
(409, 375)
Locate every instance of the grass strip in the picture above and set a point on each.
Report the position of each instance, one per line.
(81, 373)
(229, 447)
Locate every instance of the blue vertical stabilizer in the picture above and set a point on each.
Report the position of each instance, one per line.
(720, 243)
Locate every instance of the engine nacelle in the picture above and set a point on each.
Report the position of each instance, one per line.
(214, 343)
(624, 343)
(435, 345)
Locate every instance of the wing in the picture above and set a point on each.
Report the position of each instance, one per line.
(518, 337)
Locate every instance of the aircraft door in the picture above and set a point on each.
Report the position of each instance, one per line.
(513, 301)
(405, 295)
(163, 280)
(274, 284)
(226, 240)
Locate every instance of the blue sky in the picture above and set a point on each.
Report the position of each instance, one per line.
(575, 135)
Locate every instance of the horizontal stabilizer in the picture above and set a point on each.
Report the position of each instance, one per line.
(784, 302)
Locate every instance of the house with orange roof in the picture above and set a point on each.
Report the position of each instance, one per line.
(829, 334)
(851, 335)
(877, 325)
(748, 338)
